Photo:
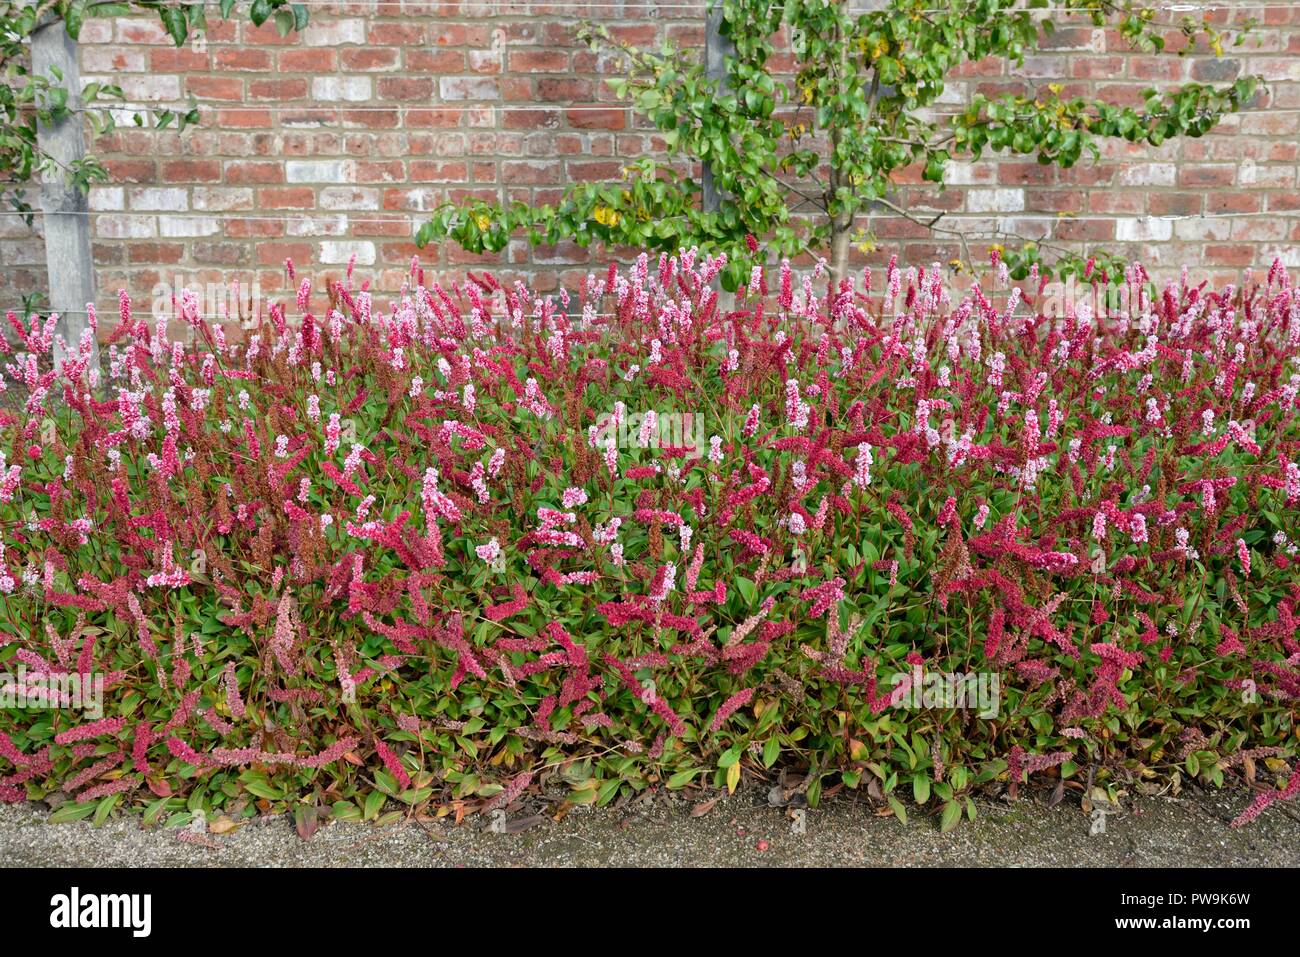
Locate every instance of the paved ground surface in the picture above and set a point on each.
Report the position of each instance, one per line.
(739, 831)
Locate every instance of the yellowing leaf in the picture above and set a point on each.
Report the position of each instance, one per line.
(606, 216)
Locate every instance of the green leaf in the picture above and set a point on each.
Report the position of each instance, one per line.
(608, 791)
(896, 806)
(747, 589)
(72, 812)
(682, 778)
(259, 12)
(921, 788)
(174, 21)
(262, 789)
(345, 811)
(951, 815)
(106, 805)
(73, 17)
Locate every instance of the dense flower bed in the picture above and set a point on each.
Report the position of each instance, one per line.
(480, 542)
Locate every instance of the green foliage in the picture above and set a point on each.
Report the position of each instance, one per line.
(777, 648)
(801, 157)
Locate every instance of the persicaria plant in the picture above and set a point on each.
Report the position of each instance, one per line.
(414, 551)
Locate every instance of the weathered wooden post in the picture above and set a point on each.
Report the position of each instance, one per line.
(716, 50)
(67, 220)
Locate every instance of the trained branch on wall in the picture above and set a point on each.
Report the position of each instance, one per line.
(799, 156)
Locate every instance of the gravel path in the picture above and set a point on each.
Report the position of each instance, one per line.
(738, 831)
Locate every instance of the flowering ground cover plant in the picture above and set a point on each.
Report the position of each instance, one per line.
(480, 542)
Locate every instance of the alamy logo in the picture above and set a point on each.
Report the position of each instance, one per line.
(650, 429)
(75, 910)
(919, 688)
(21, 689)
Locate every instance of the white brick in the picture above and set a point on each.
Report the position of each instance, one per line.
(117, 226)
(115, 59)
(135, 30)
(107, 198)
(23, 254)
(349, 197)
(1290, 255)
(332, 33)
(313, 226)
(1265, 177)
(1046, 67)
(485, 61)
(351, 88)
(150, 88)
(217, 198)
(13, 227)
(319, 171)
(181, 226)
(954, 94)
(995, 200)
(469, 88)
(1255, 229)
(162, 198)
(1148, 174)
(1275, 68)
(965, 174)
(1036, 229)
(335, 252)
(1143, 229)
(96, 31)
(1203, 229)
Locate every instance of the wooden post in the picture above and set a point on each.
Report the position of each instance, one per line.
(716, 50)
(67, 220)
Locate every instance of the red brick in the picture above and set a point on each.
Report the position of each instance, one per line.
(593, 118)
(537, 61)
(1203, 176)
(312, 60)
(131, 170)
(435, 61)
(168, 253)
(254, 172)
(215, 87)
(289, 197)
(182, 60)
(369, 58)
(405, 88)
(286, 89)
(243, 59)
(191, 171)
(424, 171)
(271, 254)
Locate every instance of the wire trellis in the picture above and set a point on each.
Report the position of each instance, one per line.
(420, 217)
(471, 7)
(467, 106)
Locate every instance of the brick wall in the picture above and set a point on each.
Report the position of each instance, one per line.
(332, 142)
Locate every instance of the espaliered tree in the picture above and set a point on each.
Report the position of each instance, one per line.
(29, 99)
(801, 157)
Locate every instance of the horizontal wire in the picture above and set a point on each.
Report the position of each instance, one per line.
(467, 106)
(421, 216)
(469, 7)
